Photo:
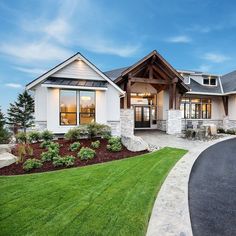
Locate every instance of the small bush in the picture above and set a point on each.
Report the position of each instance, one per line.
(230, 131)
(73, 134)
(22, 137)
(86, 153)
(29, 150)
(114, 144)
(53, 146)
(220, 130)
(32, 164)
(45, 144)
(63, 161)
(47, 135)
(5, 135)
(74, 146)
(34, 136)
(95, 130)
(21, 152)
(95, 144)
(49, 155)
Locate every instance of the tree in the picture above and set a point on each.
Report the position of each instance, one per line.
(20, 113)
(4, 134)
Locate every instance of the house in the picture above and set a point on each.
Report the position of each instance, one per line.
(150, 94)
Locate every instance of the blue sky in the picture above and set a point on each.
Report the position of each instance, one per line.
(36, 35)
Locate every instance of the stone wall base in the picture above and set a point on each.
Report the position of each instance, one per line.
(197, 123)
(127, 122)
(161, 125)
(115, 127)
(228, 124)
(174, 122)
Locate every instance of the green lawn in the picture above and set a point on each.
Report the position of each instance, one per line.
(114, 198)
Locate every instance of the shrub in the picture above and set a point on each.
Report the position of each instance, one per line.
(53, 146)
(95, 144)
(32, 164)
(69, 161)
(45, 144)
(73, 134)
(114, 144)
(86, 153)
(47, 135)
(230, 131)
(49, 155)
(74, 146)
(221, 130)
(21, 152)
(95, 129)
(5, 135)
(29, 150)
(34, 136)
(64, 161)
(22, 137)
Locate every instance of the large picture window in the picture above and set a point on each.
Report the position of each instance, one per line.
(196, 108)
(87, 107)
(68, 107)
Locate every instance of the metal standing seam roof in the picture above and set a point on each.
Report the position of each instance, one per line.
(75, 82)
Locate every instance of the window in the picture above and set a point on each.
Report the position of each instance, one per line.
(68, 107)
(87, 107)
(209, 81)
(196, 108)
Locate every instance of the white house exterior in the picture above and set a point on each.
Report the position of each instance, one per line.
(150, 94)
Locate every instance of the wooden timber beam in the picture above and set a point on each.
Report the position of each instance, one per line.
(150, 72)
(225, 100)
(160, 73)
(147, 80)
(128, 91)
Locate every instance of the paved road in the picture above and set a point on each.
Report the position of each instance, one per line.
(212, 191)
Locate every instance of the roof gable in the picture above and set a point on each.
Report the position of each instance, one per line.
(72, 64)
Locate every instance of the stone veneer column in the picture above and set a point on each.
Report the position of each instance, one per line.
(174, 122)
(127, 122)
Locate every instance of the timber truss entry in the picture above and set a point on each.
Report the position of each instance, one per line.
(156, 71)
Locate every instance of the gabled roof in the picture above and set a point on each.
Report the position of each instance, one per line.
(114, 74)
(229, 82)
(203, 89)
(77, 56)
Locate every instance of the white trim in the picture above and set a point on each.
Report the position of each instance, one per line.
(217, 94)
(78, 56)
(73, 87)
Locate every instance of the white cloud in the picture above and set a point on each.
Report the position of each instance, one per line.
(32, 71)
(179, 39)
(14, 85)
(40, 51)
(215, 57)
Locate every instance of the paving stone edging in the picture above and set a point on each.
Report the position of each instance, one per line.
(170, 215)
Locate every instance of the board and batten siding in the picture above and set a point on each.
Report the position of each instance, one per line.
(40, 99)
(78, 70)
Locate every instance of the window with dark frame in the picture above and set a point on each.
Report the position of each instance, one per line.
(196, 108)
(68, 107)
(209, 81)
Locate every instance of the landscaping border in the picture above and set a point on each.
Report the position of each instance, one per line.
(170, 215)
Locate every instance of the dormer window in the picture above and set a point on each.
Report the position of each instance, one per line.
(209, 81)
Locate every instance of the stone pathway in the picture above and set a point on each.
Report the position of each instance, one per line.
(6, 158)
(170, 214)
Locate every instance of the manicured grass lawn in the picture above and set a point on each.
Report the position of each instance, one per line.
(114, 198)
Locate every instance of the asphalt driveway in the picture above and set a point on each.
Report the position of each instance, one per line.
(212, 191)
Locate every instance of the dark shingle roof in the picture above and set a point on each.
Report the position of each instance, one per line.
(114, 74)
(75, 82)
(196, 87)
(229, 82)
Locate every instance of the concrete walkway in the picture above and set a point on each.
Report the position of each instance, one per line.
(170, 215)
(6, 158)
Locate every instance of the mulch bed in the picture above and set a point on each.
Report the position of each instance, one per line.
(102, 155)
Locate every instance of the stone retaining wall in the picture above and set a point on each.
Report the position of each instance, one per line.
(115, 127)
(196, 123)
(228, 124)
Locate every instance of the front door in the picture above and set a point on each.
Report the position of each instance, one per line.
(142, 116)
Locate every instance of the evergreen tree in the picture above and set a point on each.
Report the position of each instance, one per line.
(4, 134)
(20, 113)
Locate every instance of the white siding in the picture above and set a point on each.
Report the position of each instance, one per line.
(101, 107)
(40, 99)
(78, 70)
(217, 109)
(113, 104)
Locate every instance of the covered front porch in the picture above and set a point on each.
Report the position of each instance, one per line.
(153, 89)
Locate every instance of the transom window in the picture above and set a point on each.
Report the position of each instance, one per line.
(196, 108)
(68, 107)
(209, 81)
